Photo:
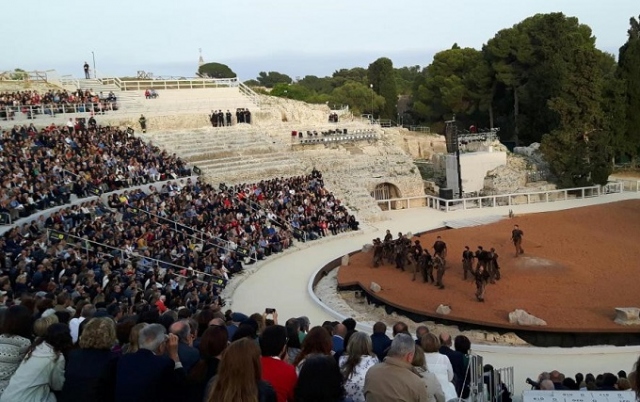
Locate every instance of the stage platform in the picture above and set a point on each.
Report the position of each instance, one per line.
(578, 266)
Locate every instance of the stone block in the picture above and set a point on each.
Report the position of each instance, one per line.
(521, 317)
(345, 260)
(444, 310)
(627, 316)
(374, 287)
(366, 248)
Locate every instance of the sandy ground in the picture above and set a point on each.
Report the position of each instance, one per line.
(577, 267)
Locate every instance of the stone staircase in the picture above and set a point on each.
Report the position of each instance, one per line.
(127, 100)
(245, 154)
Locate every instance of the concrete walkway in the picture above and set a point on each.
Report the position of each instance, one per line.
(284, 284)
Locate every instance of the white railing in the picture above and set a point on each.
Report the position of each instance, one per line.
(491, 201)
(194, 83)
(365, 135)
(35, 111)
(249, 93)
(420, 129)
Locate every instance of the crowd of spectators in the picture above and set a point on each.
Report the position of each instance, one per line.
(52, 102)
(42, 168)
(555, 380)
(121, 301)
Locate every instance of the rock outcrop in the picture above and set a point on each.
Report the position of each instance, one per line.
(521, 317)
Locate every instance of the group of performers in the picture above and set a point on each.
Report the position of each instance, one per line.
(403, 252)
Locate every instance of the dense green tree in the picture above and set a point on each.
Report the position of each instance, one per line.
(323, 85)
(271, 78)
(215, 70)
(252, 83)
(629, 72)
(357, 74)
(577, 148)
(456, 82)
(405, 78)
(381, 75)
(291, 91)
(359, 97)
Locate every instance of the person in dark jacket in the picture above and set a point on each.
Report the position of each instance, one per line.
(380, 340)
(457, 363)
(90, 371)
(149, 375)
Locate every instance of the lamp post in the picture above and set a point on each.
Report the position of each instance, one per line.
(371, 86)
(93, 55)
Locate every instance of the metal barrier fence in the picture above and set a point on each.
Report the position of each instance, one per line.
(5, 218)
(502, 199)
(420, 129)
(33, 111)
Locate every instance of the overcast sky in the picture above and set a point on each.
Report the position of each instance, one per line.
(294, 37)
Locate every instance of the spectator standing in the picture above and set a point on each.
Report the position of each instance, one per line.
(320, 381)
(91, 369)
(281, 375)
(394, 379)
(293, 343)
(240, 376)
(149, 375)
(14, 341)
(42, 370)
(87, 74)
(355, 364)
(87, 311)
(143, 123)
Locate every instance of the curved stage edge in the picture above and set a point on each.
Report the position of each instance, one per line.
(536, 336)
(278, 283)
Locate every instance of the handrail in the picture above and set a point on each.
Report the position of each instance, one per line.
(6, 221)
(123, 253)
(249, 93)
(490, 201)
(196, 83)
(31, 111)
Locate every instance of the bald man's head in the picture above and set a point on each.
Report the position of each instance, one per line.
(445, 339)
(217, 322)
(182, 330)
(340, 330)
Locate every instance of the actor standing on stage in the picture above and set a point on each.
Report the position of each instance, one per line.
(516, 238)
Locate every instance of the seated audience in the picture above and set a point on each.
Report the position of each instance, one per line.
(239, 376)
(394, 380)
(15, 340)
(359, 358)
(43, 369)
(149, 374)
(320, 381)
(91, 369)
(281, 375)
(434, 390)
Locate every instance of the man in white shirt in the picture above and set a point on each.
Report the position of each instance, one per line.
(74, 325)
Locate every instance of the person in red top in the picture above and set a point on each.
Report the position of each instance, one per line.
(282, 376)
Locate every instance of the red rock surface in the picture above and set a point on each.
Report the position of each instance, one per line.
(578, 266)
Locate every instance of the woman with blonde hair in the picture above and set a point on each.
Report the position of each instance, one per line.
(439, 364)
(41, 325)
(133, 346)
(359, 358)
(239, 376)
(91, 370)
(434, 390)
